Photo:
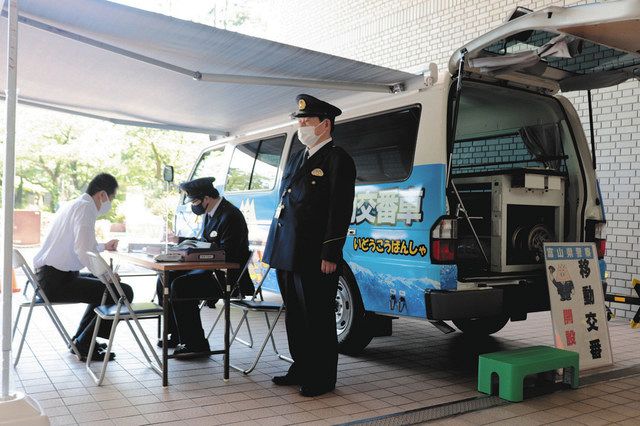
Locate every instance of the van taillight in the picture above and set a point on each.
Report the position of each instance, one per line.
(601, 239)
(596, 232)
(444, 236)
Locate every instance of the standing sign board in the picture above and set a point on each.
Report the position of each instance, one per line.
(578, 312)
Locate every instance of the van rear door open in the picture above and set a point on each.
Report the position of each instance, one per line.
(560, 48)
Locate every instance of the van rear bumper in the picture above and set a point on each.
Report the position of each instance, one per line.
(464, 304)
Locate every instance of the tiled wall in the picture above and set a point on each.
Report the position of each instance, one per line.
(408, 34)
(472, 156)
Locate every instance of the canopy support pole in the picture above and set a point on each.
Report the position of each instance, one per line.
(7, 195)
(218, 78)
(298, 82)
(591, 130)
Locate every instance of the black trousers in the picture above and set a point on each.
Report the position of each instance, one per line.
(184, 315)
(310, 318)
(74, 287)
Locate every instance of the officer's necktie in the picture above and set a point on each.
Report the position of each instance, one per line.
(304, 158)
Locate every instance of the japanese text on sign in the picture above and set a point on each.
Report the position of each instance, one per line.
(398, 247)
(388, 206)
(577, 302)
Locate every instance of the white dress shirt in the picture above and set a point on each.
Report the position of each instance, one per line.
(73, 233)
(317, 147)
(210, 214)
(215, 207)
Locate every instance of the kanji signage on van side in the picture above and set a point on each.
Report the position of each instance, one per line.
(388, 206)
(577, 302)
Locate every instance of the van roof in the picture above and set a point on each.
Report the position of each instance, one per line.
(129, 66)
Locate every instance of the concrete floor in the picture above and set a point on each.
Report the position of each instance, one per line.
(415, 368)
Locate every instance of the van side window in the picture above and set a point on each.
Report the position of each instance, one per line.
(210, 164)
(254, 165)
(382, 146)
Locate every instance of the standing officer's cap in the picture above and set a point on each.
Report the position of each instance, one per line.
(199, 188)
(308, 106)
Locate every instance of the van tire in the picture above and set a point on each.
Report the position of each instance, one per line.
(353, 333)
(482, 326)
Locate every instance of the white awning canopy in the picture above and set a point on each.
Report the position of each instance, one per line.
(129, 66)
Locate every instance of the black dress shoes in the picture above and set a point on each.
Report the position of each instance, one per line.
(171, 344)
(315, 390)
(99, 352)
(192, 351)
(286, 380)
(99, 346)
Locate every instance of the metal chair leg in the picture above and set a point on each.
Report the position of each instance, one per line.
(24, 333)
(244, 342)
(273, 343)
(107, 354)
(215, 322)
(15, 324)
(264, 344)
(156, 367)
(61, 330)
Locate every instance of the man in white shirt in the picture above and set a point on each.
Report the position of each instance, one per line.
(63, 255)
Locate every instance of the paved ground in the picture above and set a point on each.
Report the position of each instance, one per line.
(612, 402)
(415, 368)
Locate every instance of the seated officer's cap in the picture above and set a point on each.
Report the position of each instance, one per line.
(308, 106)
(199, 188)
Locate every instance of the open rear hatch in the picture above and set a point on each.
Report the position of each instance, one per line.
(559, 48)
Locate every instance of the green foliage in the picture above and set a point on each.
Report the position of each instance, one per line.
(57, 155)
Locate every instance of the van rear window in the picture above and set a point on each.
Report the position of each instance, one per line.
(382, 146)
(254, 165)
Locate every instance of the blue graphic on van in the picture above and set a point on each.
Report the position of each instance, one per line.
(390, 238)
(376, 288)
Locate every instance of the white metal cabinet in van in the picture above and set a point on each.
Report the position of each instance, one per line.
(459, 182)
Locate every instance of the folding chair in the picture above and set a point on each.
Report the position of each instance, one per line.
(123, 310)
(236, 286)
(266, 307)
(38, 299)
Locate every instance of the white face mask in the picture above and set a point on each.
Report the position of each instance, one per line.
(307, 135)
(104, 207)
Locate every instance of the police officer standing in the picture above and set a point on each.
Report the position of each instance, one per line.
(305, 244)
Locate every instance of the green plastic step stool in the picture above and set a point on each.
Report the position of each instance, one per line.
(513, 366)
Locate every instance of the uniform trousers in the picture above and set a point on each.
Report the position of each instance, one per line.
(184, 314)
(74, 287)
(310, 319)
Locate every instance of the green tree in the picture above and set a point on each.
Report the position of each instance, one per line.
(55, 161)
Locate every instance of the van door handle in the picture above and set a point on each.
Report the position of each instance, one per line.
(351, 232)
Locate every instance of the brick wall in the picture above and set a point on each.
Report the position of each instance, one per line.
(407, 34)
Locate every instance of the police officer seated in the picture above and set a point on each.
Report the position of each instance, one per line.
(223, 225)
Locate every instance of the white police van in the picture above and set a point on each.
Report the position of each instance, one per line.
(459, 182)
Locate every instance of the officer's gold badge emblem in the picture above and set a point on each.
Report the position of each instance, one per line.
(302, 104)
(317, 172)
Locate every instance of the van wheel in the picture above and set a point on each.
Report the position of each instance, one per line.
(482, 326)
(353, 333)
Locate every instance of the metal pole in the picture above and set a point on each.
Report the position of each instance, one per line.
(296, 82)
(591, 130)
(7, 195)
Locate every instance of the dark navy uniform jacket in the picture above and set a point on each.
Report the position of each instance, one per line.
(318, 201)
(227, 229)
